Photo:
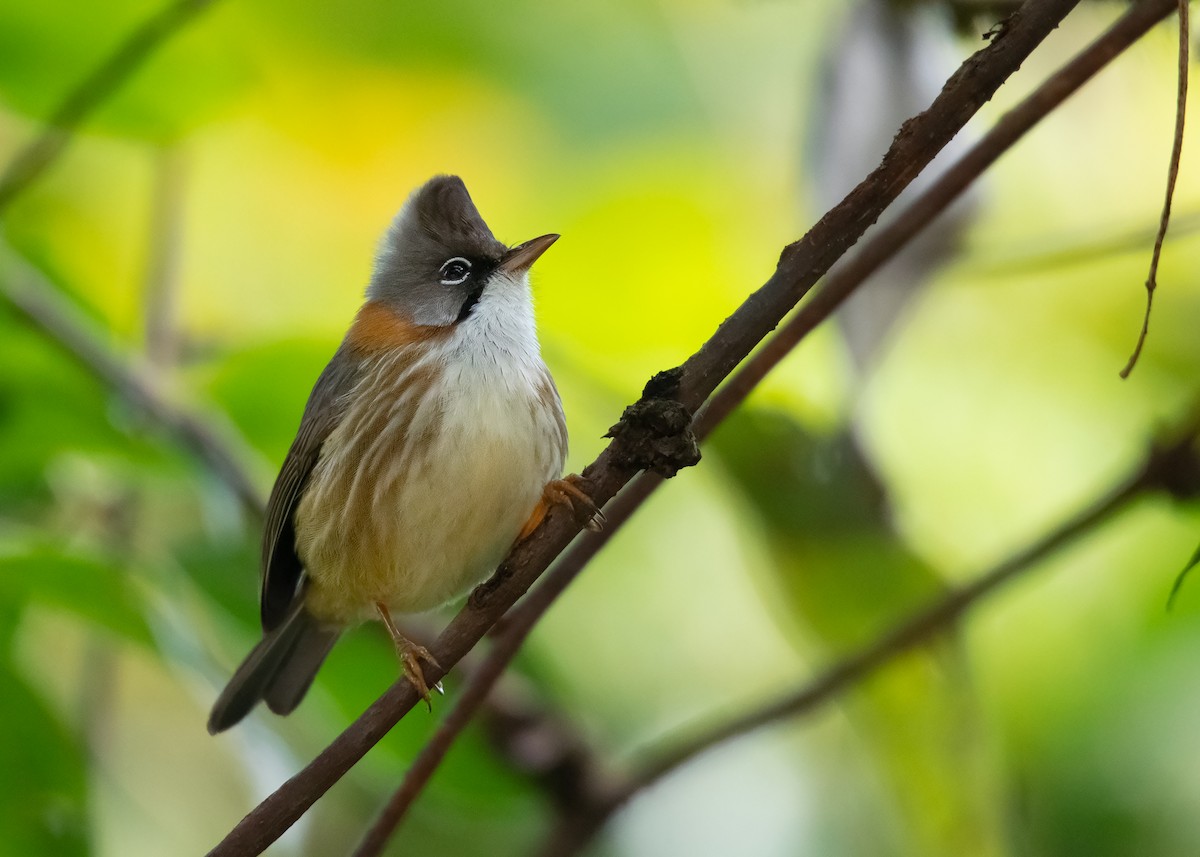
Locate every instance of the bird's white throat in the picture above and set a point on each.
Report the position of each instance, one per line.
(499, 337)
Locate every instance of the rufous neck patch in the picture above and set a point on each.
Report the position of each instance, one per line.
(378, 327)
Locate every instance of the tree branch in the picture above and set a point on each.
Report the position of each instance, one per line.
(1172, 467)
(213, 444)
(1172, 175)
(839, 285)
(800, 266)
(160, 287)
(41, 153)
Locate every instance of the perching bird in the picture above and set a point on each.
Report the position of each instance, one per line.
(433, 440)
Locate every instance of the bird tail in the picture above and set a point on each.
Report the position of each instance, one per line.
(279, 670)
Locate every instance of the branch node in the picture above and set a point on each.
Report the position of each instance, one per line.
(1174, 467)
(482, 593)
(655, 432)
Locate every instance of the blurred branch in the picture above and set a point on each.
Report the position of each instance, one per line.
(1173, 467)
(839, 285)
(534, 740)
(1172, 175)
(41, 304)
(161, 284)
(32, 161)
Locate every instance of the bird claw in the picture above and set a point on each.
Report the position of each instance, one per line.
(411, 654)
(568, 491)
(565, 492)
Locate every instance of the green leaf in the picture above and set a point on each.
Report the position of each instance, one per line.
(263, 390)
(93, 589)
(43, 793)
(840, 566)
(47, 405)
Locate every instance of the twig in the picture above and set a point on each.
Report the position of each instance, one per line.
(1181, 577)
(29, 164)
(41, 304)
(1159, 471)
(161, 283)
(1172, 175)
(839, 285)
(800, 266)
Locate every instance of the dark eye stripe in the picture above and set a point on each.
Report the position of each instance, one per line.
(470, 303)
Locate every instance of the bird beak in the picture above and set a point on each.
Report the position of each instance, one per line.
(518, 259)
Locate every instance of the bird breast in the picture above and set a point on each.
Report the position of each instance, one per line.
(438, 461)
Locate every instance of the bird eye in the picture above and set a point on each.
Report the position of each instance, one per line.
(455, 271)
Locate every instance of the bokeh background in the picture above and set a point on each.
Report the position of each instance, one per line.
(217, 219)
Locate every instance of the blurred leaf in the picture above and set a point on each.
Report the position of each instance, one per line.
(263, 390)
(840, 567)
(47, 405)
(43, 793)
(227, 570)
(49, 47)
(527, 46)
(844, 575)
(93, 589)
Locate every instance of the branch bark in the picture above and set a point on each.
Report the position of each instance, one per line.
(837, 287)
(800, 266)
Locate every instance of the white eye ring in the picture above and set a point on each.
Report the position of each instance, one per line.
(455, 265)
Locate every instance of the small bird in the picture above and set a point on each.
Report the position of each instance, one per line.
(431, 443)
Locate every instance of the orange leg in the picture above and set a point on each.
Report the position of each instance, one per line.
(564, 492)
(410, 654)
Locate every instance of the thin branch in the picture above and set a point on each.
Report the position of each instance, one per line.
(203, 435)
(160, 288)
(521, 619)
(41, 153)
(1172, 175)
(1160, 470)
(800, 266)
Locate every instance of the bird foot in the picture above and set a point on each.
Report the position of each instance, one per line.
(565, 492)
(411, 654)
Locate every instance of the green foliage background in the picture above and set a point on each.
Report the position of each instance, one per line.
(663, 141)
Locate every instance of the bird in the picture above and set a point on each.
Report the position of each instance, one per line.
(432, 442)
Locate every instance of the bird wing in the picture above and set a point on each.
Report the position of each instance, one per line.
(282, 570)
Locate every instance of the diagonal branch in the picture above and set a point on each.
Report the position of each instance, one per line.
(137, 383)
(29, 164)
(800, 266)
(1173, 467)
(839, 285)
